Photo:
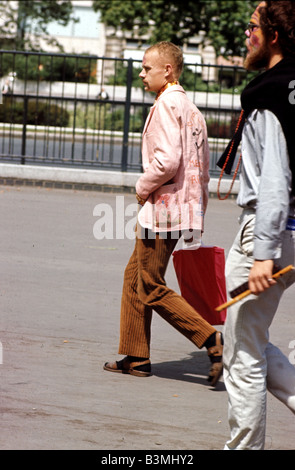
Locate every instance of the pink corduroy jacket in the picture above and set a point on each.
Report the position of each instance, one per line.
(175, 158)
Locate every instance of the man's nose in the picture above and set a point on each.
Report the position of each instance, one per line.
(247, 32)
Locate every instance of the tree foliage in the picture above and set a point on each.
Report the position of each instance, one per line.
(24, 22)
(222, 21)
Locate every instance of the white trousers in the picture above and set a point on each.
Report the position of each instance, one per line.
(251, 363)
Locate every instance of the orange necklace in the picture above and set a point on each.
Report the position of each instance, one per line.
(165, 88)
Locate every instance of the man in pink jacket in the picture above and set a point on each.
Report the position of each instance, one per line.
(173, 193)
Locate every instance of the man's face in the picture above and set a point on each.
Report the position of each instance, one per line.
(258, 55)
(153, 72)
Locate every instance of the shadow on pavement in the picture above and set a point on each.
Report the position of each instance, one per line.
(193, 369)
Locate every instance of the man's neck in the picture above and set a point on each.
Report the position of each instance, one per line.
(274, 60)
(175, 82)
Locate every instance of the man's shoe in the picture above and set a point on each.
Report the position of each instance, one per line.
(127, 366)
(215, 356)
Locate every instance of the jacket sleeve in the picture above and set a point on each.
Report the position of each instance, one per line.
(274, 190)
(166, 147)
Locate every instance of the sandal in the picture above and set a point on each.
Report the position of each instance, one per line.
(125, 366)
(215, 356)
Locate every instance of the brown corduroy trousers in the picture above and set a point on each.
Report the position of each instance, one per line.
(145, 290)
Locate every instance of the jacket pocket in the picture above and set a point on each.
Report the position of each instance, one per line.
(166, 205)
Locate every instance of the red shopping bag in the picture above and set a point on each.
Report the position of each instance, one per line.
(201, 279)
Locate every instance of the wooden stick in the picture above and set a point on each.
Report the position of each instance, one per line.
(248, 292)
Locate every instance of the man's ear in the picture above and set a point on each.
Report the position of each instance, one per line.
(168, 70)
(275, 39)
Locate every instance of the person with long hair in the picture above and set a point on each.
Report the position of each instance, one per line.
(252, 365)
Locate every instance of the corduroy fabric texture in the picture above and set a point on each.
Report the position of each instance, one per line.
(145, 290)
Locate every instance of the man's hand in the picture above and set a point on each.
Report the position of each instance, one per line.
(260, 277)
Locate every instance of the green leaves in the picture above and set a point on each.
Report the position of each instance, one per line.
(30, 16)
(223, 21)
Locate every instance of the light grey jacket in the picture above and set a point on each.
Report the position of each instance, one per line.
(265, 181)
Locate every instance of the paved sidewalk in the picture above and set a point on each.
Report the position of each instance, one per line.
(60, 291)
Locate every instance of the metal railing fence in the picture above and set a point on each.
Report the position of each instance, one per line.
(89, 111)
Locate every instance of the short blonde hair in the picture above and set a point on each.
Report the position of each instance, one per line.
(170, 52)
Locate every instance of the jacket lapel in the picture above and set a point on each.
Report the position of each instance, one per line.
(169, 90)
(148, 119)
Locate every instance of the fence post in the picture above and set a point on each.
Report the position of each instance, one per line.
(127, 116)
(24, 134)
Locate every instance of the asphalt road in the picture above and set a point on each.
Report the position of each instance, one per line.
(60, 291)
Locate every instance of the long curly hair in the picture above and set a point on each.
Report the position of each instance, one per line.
(279, 15)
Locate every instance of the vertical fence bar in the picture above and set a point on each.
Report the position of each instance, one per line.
(127, 116)
(24, 133)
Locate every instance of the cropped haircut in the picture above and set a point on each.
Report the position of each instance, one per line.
(171, 53)
(279, 15)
